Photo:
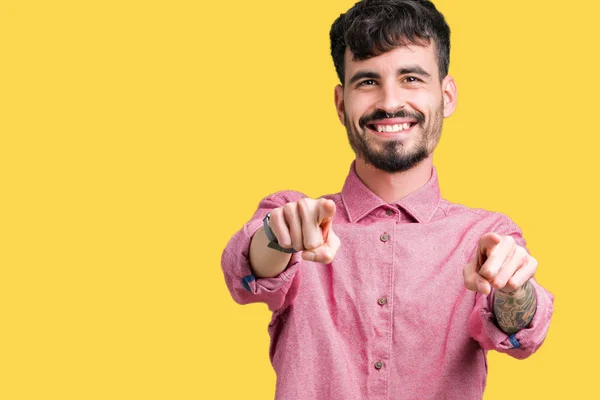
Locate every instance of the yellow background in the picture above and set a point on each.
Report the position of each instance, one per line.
(138, 136)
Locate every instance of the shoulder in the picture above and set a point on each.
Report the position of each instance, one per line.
(282, 197)
(335, 197)
(475, 222)
(491, 220)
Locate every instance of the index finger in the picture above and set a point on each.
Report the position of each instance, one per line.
(325, 216)
(497, 259)
(326, 210)
(488, 242)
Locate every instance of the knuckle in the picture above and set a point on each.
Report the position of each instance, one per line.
(533, 262)
(511, 285)
(311, 244)
(470, 284)
(324, 204)
(303, 204)
(282, 235)
(277, 227)
(467, 281)
(486, 273)
(327, 258)
(289, 213)
(276, 213)
(488, 277)
(321, 202)
(498, 283)
(284, 241)
(468, 278)
(302, 208)
(289, 208)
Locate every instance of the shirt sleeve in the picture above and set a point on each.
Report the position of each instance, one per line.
(482, 322)
(277, 292)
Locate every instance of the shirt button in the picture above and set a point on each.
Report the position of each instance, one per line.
(384, 237)
(382, 301)
(378, 365)
(389, 212)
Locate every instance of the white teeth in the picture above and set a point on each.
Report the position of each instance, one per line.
(392, 128)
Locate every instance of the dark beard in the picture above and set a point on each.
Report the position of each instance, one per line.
(392, 157)
(389, 159)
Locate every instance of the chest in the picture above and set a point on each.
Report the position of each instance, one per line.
(385, 269)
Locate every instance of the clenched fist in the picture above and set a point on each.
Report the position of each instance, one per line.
(500, 263)
(306, 225)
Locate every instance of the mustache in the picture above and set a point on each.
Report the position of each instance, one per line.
(380, 114)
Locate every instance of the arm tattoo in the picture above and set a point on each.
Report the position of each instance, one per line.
(514, 310)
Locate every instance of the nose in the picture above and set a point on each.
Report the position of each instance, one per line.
(391, 98)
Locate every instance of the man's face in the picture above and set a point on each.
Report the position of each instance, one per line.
(393, 105)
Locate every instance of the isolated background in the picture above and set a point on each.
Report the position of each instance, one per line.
(137, 136)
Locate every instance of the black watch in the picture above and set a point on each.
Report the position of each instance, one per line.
(273, 243)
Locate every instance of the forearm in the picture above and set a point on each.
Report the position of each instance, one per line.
(515, 310)
(264, 261)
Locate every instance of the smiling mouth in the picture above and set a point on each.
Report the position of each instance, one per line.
(391, 128)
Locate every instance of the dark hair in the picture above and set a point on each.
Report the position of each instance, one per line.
(373, 27)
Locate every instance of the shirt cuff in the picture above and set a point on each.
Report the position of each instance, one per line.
(245, 288)
(484, 329)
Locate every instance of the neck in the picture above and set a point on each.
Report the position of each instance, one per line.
(391, 187)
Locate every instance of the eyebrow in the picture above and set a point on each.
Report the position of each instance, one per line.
(363, 74)
(411, 69)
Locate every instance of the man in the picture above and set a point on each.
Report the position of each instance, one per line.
(386, 290)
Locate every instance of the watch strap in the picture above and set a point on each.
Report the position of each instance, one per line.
(273, 244)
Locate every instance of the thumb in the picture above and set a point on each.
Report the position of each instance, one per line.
(325, 253)
(474, 281)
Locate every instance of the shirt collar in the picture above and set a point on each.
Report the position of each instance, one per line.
(359, 201)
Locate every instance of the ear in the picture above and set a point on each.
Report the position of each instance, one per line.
(338, 96)
(449, 93)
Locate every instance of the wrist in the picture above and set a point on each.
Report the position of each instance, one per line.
(513, 293)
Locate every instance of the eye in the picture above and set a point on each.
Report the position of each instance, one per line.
(367, 82)
(411, 79)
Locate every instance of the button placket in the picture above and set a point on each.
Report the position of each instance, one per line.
(382, 347)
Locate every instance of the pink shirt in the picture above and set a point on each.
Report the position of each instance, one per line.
(390, 317)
